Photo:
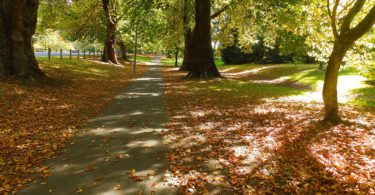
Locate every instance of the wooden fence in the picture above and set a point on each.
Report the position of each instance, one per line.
(70, 54)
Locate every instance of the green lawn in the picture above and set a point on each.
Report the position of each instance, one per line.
(350, 83)
(171, 62)
(144, 58)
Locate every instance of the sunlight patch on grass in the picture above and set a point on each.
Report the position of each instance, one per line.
(247, 89)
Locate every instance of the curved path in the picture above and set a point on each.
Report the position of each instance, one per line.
(122, 151)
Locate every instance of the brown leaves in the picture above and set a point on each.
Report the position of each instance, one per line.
(38, 120)
(133, 176)
(89, 168)
(258, 147)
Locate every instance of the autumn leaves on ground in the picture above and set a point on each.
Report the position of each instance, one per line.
(257, 130)
(37, 120)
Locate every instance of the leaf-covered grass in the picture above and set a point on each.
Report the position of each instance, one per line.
(237, 135)
(39, 119)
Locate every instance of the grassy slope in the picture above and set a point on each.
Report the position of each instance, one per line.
(309, 75)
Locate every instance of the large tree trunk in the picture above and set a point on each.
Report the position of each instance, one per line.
(176, 57)
(187, 37)
(122, 46)
(18, 19)
(187, 51)
(330, 82)
(202, 61)
(344, 39)
(109, 52)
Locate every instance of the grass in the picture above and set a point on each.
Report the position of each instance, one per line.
(351, 83)
(142, 58)
(364, 96)
(243, 89)
(171, 62)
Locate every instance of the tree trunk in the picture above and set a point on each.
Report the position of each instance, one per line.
(109, 52)
(122, 46)
(330, 82)
(187, 51)
(321, 65)
(18, 21)
(187, 36)
(202, 61)
(176, 57)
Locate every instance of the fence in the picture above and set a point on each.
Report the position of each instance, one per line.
(70, 54)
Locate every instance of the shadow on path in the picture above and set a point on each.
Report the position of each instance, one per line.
(124, 137)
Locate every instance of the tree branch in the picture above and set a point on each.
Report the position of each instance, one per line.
(347, 20)
(216, 14)
(332, 16)
(364, 26)
(105, 5)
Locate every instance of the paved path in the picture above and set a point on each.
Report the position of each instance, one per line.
(122, 138)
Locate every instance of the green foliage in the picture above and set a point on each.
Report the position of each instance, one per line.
(51, 39)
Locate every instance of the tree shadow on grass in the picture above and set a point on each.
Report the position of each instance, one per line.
(225, 144)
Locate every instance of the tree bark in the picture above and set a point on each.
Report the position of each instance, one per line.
(109, 52)
(187, 36)
(330, 83)
(187, 51)
(176, 57)
(18, 19)
(122, 46)
(202, 61)
(343, 42)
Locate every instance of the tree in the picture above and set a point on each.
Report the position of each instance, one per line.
(187, 36)
(345, 37)
(123, 49)
(202, 61)
(109, 52)
(17, 26)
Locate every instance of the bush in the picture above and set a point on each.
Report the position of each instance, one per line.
(234, 55)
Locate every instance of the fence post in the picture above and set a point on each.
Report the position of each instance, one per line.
(70, 54)
(84, 54)
(61, 54)
(49, 54)
(78, 54)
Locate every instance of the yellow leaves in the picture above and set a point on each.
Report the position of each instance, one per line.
(116, 187)
(133, 176)
(79, 189)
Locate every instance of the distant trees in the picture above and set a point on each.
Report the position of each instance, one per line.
(17, 26)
